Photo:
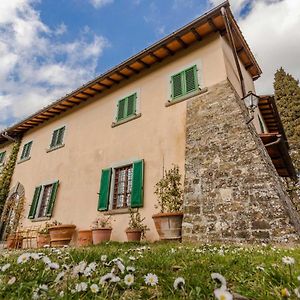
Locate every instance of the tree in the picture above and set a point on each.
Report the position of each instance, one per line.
(287, 97)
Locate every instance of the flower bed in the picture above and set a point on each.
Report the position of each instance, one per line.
(157, 271)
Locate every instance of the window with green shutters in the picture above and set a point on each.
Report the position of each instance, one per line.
(43, 201)
(26, 150)
(184, 82)
(123, 186)
(2, 156)
(57, 137)
(126, 107)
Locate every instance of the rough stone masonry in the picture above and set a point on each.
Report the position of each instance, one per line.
(232, 190)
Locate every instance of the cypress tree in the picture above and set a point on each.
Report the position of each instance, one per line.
(287, 97)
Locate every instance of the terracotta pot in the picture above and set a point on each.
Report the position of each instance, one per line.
(85, 238)
(133, 235)
(168, 225)
(61, 235)
(101, 235)
(43, 239)
(14, 241)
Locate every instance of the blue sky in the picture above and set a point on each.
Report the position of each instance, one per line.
(50, 47)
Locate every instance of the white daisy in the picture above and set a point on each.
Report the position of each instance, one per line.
(288, 260)
(129, 279)
(179, 283)
(130, 269)
(53, 266)
(297, 292)
(35, 256)
(46, 260)
(106, 278)
(23, 258)
(94, 288)
(222, 294)
(79, 269)
(115, 279)
(59, 277)
(120, 265)
(81, 287)
(5, 267)
(132, 258)
(47, 246)
(92, 266)
(61, 294)
(103, 258)
(11, 280)
(43, 287)
(35, 296)
(151, 279)
(220, 278)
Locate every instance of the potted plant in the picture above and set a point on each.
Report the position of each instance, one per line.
(136, 229)
(169, 190)
(85, 238)
(101, 230)
(43, 237)
(61, 234)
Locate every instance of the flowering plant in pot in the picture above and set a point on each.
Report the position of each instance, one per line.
(169, 190)
(101, 230)
(136, 229)
(43, 237)
(60, 234)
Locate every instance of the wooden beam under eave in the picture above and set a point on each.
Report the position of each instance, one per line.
(95, 90)
(212, 25)
(143, 63)
(48, 114)
(86, 94)
(181, 42)
(122, 75)
(155, 57)
(54, 110)
(132, 69)
(248, 66)
(171, 52)
(196, 34)
(104, 85)
(79, 98)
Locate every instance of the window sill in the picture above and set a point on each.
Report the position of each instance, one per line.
(115, 124)
(186, 97)
(40, 219)
(24, 159)
(119, 211)
(55, 148)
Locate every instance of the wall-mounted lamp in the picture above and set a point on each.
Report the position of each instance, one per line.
(251, 102)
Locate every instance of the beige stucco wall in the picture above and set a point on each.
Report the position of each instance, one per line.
(91, 144)
(233, 77)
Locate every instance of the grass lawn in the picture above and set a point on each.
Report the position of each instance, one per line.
(255, 272)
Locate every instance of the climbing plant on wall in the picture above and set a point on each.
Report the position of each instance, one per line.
(6, 174)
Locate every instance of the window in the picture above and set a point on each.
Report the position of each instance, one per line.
(126, 107)
(26, 150)
(57, 137)
(2, 156)
(43, 201)
(184, 82)
(122, 187)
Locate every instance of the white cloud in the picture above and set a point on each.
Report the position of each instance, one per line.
(271, 28)
(35, 68)
(100, 3)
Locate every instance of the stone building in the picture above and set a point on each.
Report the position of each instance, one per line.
(102, 148)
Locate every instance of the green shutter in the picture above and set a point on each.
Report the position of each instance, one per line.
(52, 199)
(2, 155)
(104, 189)
(131, 100)
(137, 184)
(23, 151)
(28, 149)
(121, 109)
(35, 202)
(54, 138)
(60, 136)
(177, 85)
(190, 79)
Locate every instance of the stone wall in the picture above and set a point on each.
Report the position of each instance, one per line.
(232, 190)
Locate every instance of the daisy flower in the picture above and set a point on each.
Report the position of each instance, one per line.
(23, 258)
(129, 279)
(287, 260)
(132, 258)
(106, 278)
(297, 292)
(222, 294)
(11, 280)
(59, 277)
(151, 279)
(35, 256)
(46, 260)
(218, 277)
(92, 266)
(179, 283)
(61, 294)
(5, 267)
(43, 287)
(53, 266)
(103, 258)
(130, 269)
(94, 288)
(115, 278)
(81, 287)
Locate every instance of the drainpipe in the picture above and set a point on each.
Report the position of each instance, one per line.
(232, 45)
(6, 136)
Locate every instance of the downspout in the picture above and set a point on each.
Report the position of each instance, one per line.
(232, 45)
(275, 142)
(6, 136)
